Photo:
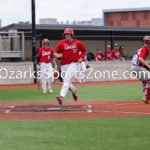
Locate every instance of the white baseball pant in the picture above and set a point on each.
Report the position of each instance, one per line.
(47, 75)
(142, 74)
(68, 72)
(81, 71)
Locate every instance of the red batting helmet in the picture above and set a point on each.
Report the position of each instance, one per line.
(147, 39)
(45, 41)
(68, 31)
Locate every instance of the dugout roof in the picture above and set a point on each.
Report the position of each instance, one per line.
(81, 31)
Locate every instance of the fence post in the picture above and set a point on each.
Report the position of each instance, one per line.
(40, 39)
(23, 46)
(112, 40)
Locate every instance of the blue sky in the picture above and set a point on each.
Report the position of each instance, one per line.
(13, 11)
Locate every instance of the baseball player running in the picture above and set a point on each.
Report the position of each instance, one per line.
(46, 57)
(137, 66)
(67, 50)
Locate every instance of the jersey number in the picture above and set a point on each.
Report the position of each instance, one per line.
(75, 50)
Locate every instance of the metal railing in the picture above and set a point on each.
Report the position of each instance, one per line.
(12, 45)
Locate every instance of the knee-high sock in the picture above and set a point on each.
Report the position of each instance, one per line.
(147, 91)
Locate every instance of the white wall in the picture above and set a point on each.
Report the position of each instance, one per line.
(102, 67)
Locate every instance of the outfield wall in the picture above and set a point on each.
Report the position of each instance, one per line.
(17, 73)
(109, 71)
(21, 73)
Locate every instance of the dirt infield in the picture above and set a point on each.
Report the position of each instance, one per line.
(71, 109)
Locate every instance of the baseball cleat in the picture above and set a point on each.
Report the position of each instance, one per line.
(50, 90)
(59, 99)
(74, 95)
(44, 92)
(147, 101)
(144, 100)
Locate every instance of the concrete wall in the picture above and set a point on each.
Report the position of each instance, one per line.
(13, 37)
(28, 50)
(99, 68)
(92, 45)
(130, 47)
(11, 45)
(108, 71)
(10, 73)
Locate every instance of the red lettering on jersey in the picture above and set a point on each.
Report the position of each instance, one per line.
(116, 54)
(108, 55)
(70, 51)
(142, 52)
(98, 56)
(46, 55)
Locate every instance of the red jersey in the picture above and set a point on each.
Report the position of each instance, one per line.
(116, 54)
(70, 51)
(108, 55)
(98, 56)
(142, 52)
(46, 55)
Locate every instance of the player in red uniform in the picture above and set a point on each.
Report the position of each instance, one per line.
(46, 56)
(67, 50)
(108, 54)
(116, 53)
(138, 61)
(98, 55)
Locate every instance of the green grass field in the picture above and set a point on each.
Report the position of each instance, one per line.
(130, 133)
(104, 92)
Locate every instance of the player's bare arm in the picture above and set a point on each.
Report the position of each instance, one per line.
(96, 59)
(80, 60)
(85, 58)
(144, 62)
(58, 55)
(54, 62)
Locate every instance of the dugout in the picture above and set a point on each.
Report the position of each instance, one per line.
(92, 36)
